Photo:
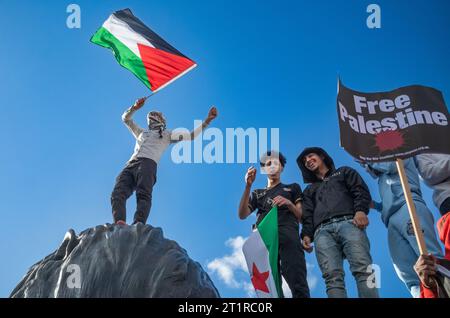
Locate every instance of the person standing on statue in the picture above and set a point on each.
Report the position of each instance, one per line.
(139, 173)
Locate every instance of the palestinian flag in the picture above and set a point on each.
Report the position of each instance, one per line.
(261, 254)
(140, 50)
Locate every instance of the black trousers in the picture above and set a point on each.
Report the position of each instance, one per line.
(139, 175)
(292, 258)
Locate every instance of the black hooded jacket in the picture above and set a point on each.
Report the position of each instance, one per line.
(342, 192)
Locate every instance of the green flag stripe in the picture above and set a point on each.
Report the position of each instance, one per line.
(268, 229)
(123, 54)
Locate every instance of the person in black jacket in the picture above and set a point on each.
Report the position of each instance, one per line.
(335, 207)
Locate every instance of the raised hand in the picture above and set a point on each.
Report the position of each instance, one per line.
(212, 114)
(250, 176)
(139, 103)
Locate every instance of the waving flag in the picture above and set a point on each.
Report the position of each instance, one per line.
(140, 50)
(261, 254)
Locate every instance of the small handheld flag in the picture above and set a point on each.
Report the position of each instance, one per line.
(261, 254)
(140, 50)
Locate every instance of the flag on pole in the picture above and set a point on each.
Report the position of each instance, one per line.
(261, 254)
(140, 50)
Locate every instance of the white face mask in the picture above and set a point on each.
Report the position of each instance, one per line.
(272, 164)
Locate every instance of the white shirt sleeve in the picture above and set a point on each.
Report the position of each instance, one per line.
(131, 125)
(180, 134)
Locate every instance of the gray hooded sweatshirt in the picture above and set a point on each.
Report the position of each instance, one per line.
(435, 171)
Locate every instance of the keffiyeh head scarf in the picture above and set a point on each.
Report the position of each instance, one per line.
(156, 121)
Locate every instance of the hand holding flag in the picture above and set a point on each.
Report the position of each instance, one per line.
(139, 103)
(282, 201)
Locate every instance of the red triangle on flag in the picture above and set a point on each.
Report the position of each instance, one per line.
(161, 66)
(259, 279)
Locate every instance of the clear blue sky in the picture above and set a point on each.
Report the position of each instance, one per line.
(262, 63)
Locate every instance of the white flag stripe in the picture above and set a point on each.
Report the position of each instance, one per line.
(255, 251)
(125, 34)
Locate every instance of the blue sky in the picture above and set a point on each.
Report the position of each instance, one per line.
(262, 63)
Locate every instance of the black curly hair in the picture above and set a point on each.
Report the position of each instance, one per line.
(272, 153)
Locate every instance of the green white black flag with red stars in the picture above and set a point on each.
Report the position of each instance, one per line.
(261, 254)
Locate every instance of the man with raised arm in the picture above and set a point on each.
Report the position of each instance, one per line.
(139, 173)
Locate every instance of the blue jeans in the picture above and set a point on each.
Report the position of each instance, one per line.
(403, 244)
(336, 241)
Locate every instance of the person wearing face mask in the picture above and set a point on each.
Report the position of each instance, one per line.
(139, 173)
(288, 198)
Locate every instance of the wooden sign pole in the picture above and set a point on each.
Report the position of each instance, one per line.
(411, 208)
